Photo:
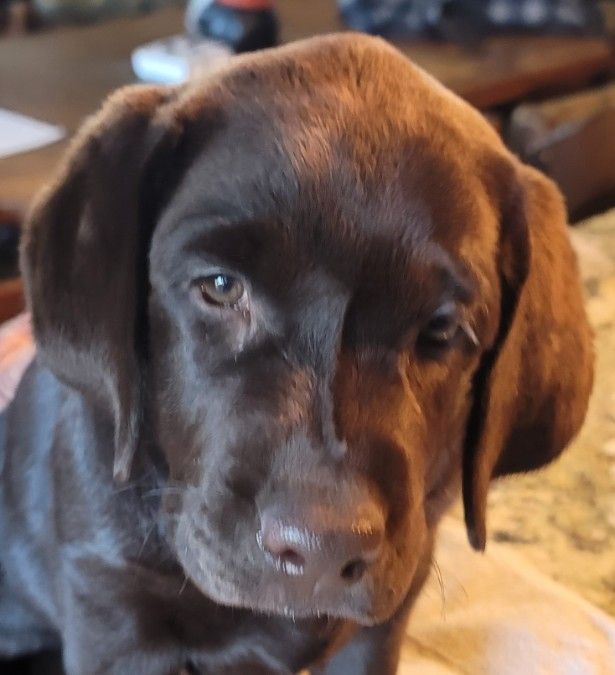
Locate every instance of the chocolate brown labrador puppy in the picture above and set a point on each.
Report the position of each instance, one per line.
(284, 317)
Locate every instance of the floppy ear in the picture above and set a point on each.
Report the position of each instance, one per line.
(532, 387)
(84, 259)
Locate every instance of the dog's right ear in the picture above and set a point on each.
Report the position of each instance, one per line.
(84, 257)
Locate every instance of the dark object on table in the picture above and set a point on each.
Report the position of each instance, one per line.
(394, 18)
(89, 11)
(270, 355)
(244, 30)
(9, 244)
(17, 16)
(464, 20)
(572, 139)
(11, 290)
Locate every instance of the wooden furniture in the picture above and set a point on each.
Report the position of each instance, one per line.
(62, 75)
(572, 139)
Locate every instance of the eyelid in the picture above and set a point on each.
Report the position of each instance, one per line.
(458, 313)
(198, 273)
(449, 307)
(461, 311)
(211, 268)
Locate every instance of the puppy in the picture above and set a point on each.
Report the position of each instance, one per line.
(283, 317)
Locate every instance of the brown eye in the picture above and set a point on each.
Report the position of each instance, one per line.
(221, 289)
(442, 327)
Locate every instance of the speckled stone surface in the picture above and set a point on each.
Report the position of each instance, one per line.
(562, 518)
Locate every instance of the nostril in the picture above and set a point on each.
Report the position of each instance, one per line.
(290, 557)
(353, 570)
(276, 541)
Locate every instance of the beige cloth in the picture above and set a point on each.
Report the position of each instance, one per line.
(497, 615)
(16, 352)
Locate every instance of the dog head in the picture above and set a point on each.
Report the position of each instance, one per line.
(334, 297)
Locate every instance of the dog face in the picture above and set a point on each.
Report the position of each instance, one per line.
(333, 295)
(307, 396)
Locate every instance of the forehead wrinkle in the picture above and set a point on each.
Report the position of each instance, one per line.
(422, 272)
(333, 152)
(333, 132)
(375, 170)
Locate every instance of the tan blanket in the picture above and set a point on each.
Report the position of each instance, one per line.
(16, 352)
(495, 614)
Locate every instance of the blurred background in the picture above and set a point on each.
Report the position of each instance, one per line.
(542, 71)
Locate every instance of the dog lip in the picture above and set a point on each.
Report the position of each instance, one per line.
(260, 589)
(268, 597)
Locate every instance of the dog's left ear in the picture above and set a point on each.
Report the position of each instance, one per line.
(84, 259)
(532, 387)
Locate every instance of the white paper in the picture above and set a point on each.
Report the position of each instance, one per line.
(19, 133)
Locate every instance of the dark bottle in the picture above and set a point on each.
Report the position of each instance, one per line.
(244, 25)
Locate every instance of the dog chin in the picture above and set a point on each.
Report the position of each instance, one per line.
(264, 596)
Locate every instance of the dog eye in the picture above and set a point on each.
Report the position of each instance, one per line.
(442, 327)
(221, 289)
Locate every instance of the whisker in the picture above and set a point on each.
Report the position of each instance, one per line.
(440, 579)
(146, 539)
(127, 487)
(147, 478)
(168, 489)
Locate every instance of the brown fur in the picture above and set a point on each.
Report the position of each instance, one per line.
(355, 196)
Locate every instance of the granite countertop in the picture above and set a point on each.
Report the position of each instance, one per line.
(562, 518)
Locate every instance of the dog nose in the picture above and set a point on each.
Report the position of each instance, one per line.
(321, 543)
